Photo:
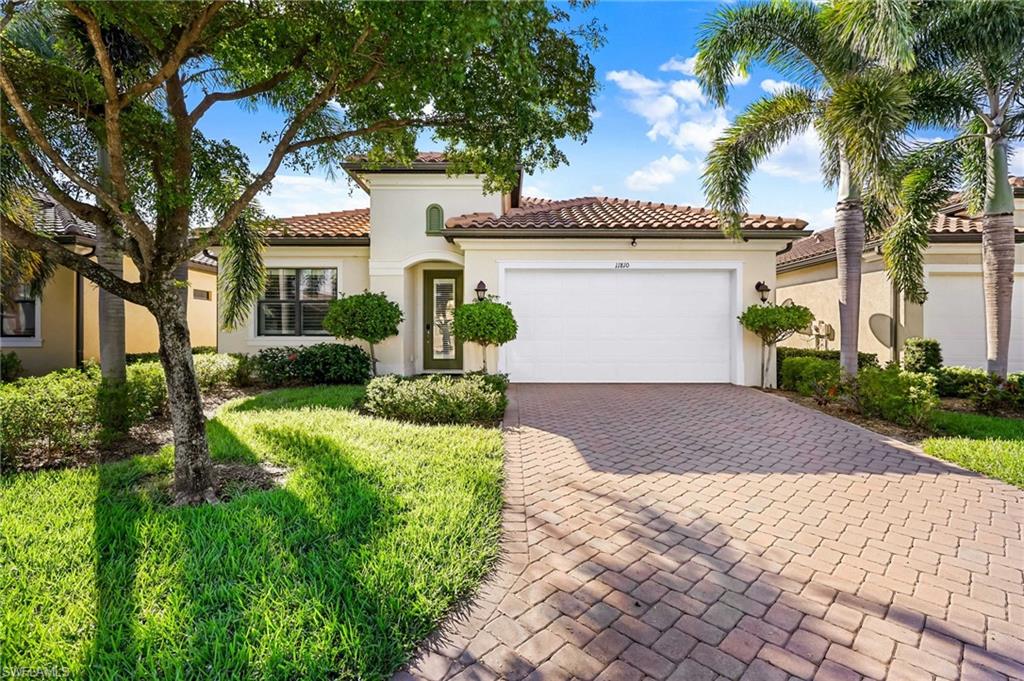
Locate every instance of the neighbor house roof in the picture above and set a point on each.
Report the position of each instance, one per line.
(821, 246)
(348, 226)
(600, 216)
(55, 219)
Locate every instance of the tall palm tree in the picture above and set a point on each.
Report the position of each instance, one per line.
(974, 52)
(858, 110)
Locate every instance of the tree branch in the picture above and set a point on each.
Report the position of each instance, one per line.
(92, 271)
(256, 88)
(185, 42)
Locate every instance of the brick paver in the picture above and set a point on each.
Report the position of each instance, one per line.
(692, 532)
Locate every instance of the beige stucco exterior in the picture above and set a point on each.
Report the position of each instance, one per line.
(401, 251)
(57, 332)
(953, 270)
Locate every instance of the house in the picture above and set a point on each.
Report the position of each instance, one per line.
(60, 328)
(604, 290)
(953, 314)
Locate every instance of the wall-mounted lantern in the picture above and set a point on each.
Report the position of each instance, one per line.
(481, 291)
(763, 289)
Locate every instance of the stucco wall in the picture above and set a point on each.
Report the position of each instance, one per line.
(756, 259)
(351, 263)
(140, 326)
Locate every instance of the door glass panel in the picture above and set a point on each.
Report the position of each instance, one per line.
(443, 342)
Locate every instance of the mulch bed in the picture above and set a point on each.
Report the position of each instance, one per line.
(146, 438)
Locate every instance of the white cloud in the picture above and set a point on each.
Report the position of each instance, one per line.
(597, 189)
(658, 173)
(654, 109)
(799, 159)
(687, 90)
(595, 114)
(689, 67)
(306, 194)
(1017, 162)
(631, 81)
(681, 65)
(535, 192)
(775, 86)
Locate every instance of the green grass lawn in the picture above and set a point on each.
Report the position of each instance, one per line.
(990, 445)
(379, 529)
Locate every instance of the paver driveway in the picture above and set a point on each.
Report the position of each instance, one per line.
(709, 532)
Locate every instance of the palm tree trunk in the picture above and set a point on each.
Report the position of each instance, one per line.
(997, 255)
(193, 471)
(111, 306)
(849, 232)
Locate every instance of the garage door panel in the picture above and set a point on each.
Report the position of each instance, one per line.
(604, 325)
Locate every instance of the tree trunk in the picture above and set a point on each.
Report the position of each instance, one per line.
(373, 361)
(849, 233)
(111, 306)
(193, 471)
(997, 256)
(484, 353)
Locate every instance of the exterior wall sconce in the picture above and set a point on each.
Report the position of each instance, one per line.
(633, 242)
(762, 288)
(481, 291)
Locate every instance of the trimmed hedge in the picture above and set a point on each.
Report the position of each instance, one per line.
(922, 355)
(864, 359)
(812, 377)
(904, 397)
(322, 363)
(995, 395)
(471, 399)
(138, 357)
(958, 381)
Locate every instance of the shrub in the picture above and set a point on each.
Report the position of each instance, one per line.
(958, 381)
(903, 397)
(485, 322)
(996, 395)
(55, 413)
(331, 363)
(864, 359)
(137, 357)
(922, 355)
(435, 399)
(10, 366)
(812, 377)
(314, 364)
(214, 371)
(367, 316)
(773, 323)
(497, 381)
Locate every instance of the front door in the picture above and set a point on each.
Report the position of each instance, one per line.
(442, 292)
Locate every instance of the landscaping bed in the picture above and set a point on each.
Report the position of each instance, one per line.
(366, 533)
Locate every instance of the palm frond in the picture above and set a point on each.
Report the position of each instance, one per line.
(973, 155)
(241, 273)
(762, 128)
(882, 30)
(784, 35)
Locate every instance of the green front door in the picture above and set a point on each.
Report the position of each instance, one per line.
(442, 292)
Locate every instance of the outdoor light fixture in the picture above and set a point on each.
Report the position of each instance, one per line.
(633, 242)
(763, 289)
(481, 291)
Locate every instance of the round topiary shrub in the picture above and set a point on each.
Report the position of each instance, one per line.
(773, 323)
(485, 322)
(370, 317)
(922, 355)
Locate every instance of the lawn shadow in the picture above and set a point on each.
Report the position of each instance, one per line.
(238, 564)
(286, 399)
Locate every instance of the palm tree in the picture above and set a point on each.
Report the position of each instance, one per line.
(974, 53)
(858, 110)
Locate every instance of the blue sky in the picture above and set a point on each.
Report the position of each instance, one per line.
(651, 132)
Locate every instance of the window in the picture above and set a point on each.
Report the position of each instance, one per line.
(435, 219)
(19, 319)
(200, 294)
(295, 301)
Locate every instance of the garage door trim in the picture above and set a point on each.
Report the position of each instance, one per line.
(734, 268)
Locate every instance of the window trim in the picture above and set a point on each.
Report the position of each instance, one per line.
(299, 335)
(33, 341)
(440, 227)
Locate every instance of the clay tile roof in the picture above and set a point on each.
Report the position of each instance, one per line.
(595, 213)
(1016, 181)
(824, 242)
(421, 157)
(339, 224)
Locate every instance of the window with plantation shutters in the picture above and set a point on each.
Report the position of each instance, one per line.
(295, 301)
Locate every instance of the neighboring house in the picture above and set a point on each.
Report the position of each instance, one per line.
(953, 314)
(60, 328)
(604, 290)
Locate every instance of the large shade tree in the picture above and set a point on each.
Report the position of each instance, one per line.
(973, 53)
(497, 84)
(858, 110)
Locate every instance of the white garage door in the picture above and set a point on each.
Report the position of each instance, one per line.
(620, 325)
(954, 314)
